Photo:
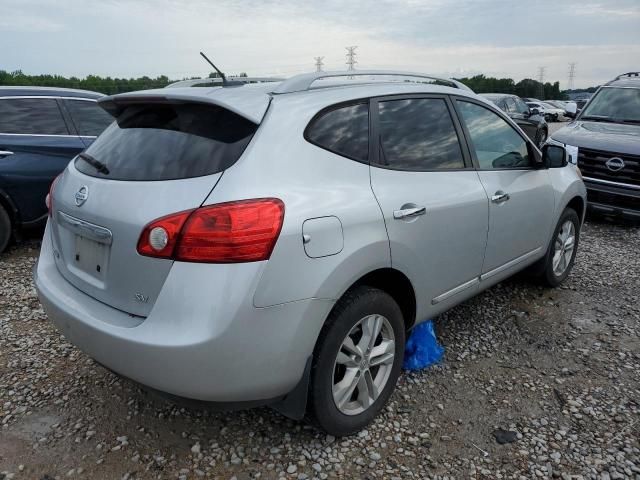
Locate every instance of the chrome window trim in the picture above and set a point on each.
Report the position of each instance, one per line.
(46, 135)
(55, 97)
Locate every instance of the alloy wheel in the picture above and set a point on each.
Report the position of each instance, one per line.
(363, 364)
(563, 248)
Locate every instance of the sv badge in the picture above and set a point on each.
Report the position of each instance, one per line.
(141, 298)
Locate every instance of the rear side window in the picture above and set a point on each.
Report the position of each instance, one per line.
(34, 116)
(89, 118)
(344, 130)
(167, 142)
(418, 134)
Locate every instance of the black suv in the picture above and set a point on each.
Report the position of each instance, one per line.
(41, 129)
(604, 141)
(530, 121)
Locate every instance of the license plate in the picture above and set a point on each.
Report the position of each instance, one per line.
(90, 257)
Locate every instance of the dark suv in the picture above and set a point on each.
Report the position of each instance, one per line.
(41, 129)
(530, 121)
(604, 141)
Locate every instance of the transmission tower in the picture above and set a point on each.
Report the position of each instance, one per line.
(572, 75)
(319, 63)
(351, 57)
(541, 80)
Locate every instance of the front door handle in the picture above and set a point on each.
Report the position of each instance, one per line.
(500, 197)
(5, 153)
(409, 212)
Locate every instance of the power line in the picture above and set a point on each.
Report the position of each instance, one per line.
(572, 74)
(319, 63)
(541, 80)
(351, 57)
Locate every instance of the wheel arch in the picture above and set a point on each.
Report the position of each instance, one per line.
(396, 284)
(577, 203)
(7, 203)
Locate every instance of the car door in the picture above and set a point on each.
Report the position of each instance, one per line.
(35, 146)
(521, 117)
(88, 118)
(434, 206)
(521, 196)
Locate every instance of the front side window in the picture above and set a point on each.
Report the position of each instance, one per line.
(418, 134)
(31, 116)
(89, 118)
(343, 130)
(496, 144)
(614, 104)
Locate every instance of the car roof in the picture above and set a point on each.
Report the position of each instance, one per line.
(15, 91)
(252, 100)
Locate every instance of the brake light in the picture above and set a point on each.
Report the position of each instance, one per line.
(233, 232)
(48, 200)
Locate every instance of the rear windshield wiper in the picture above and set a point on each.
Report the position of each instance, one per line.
(632, 120)
(97, 164)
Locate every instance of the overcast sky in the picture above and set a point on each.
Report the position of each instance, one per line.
(510, 38)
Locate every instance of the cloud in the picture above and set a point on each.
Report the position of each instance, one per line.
(281, 37)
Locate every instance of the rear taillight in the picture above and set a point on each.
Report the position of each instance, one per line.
(242, 231)
(48, 200)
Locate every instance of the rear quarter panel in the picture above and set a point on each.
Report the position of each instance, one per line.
(312, 183)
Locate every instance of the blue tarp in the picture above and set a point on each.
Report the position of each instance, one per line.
(422, 348)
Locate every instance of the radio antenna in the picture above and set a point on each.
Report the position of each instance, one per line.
(224, 79)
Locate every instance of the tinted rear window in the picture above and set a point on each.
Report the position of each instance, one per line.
(39, 116)
(418, 134)
(167, 142)
(89, 118)
(344, 130)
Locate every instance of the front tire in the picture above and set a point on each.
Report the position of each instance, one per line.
(357, 361)
(5, 229)
(561, 253)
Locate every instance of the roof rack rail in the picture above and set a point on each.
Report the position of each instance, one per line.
(628, 74)
(217, 80)
(303, 82)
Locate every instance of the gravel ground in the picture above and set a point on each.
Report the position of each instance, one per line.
(553, 373)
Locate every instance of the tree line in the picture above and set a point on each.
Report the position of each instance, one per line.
(95, 83)
(112, 85)
(524, 88)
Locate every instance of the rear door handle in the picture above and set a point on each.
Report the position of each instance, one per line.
(500, 197)
(409, 212)
(5, 153)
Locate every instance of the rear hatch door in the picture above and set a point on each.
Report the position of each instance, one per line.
(156, 159)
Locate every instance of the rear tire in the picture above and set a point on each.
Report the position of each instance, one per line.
(561, 253)
(357, 361)
(5, 229)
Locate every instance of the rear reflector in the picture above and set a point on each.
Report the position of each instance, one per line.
(242, 231)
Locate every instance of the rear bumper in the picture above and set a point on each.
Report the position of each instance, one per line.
(202, 340)
(613, 200)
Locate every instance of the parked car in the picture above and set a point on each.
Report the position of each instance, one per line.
(604, 141)
(41, 129)
(549, 113)
(568, 108)
(274, 243)
(532, 123)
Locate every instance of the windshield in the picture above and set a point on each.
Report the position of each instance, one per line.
(614, 104)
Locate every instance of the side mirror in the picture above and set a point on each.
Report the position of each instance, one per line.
(534, 111)
(554, 156)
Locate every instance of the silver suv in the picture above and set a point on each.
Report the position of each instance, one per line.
(275, 243)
